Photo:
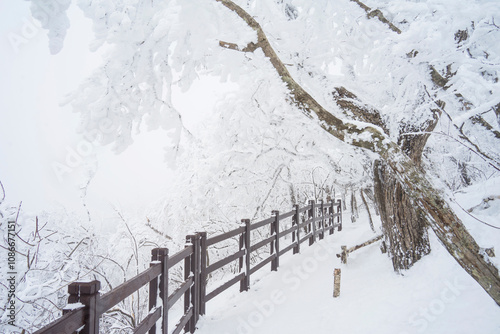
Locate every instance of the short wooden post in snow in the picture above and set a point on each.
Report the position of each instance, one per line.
(343, 254)
(336, 282)
(88, 294)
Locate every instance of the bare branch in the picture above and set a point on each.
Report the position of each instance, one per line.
(3, 192)
(251, 47)
(231, 46)
(378, 14)
(372, 139)
(370, 220)
(19, 210)
(74, 249)
(479, 220)
(492, 162)
(18, 252)
(154, 229)
(27, 243)
(485, 158)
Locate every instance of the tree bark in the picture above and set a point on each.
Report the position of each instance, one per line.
(336, 282)
(409, 176)
(404, 228)
(370, 220)
(403, 224)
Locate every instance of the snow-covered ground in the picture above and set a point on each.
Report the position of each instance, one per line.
(435, 296)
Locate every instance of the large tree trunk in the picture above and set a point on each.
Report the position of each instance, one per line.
(403, 223)
(409, 179)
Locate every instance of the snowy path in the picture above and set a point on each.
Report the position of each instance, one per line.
(437, 296)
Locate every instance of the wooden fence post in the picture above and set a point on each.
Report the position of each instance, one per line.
(296, 233)
(203, 271)
(331, 220)
(74, 296)
(88, 295)
(161, 254)
(195, 289)
(187, 294)
(153, 288)
(245, 264)
(275, 228)
(322, 235)
(312, 215)
(339, 211)
(336, 282)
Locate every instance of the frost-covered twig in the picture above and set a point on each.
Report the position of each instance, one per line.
(276, 175)
(155, 230)
(370, 220)
(377, 13)
(3, 192)
(479, 220)
(251, 47)
(129, 316)
(493, 24)
(78, 245)
(491, 162)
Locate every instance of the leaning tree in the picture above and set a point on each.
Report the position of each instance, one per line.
(133, 84)
(408, 202)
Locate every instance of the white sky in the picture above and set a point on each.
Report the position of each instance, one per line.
(36, 131)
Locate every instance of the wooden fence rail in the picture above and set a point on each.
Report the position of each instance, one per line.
(86, 305)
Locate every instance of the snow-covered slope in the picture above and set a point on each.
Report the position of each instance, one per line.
(435, 296)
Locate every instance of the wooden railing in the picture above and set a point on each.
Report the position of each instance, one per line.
(86, 305)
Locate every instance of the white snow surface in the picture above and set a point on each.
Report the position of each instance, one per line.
(435, 296)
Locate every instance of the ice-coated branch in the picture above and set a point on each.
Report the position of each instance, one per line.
(365, 136)
(441, 218)
(3, 192)
(378, 14)
(474, 148)
(251, 47)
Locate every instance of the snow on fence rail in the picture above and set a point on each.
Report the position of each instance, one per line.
(86, 305)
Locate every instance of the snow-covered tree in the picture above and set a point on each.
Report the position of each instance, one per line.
(344, 94)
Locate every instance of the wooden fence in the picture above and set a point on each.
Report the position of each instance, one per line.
(86, 305)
